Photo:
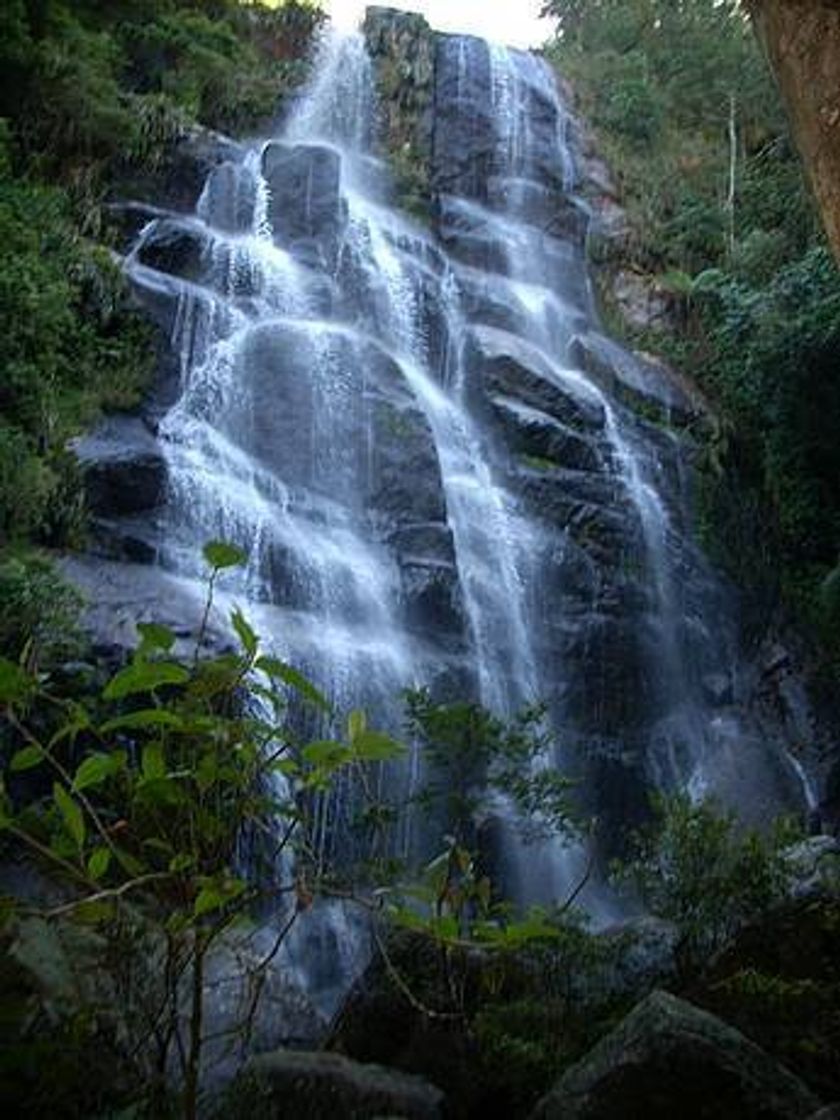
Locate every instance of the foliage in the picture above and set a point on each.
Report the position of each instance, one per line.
(73, 347)
(697, 868)
(137, 798)
(39, 612)
(85, 72)
(473, 756)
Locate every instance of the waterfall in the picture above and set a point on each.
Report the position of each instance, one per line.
(421, 438)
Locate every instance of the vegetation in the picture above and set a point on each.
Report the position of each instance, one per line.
(136, 799)
(686, 114)
(697, 868)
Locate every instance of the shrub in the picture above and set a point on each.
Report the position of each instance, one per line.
(697, 868)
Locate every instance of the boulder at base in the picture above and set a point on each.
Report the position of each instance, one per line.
(667, 1059)
(319, 1086)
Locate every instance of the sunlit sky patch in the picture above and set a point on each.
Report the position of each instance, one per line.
(515, 22)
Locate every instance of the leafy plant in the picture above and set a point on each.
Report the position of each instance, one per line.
(472, 756)
(136, 800)
(696, 867)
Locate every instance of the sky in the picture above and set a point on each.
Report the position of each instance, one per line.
(514, 22)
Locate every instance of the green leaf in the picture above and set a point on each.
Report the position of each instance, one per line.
(215, 894)
(356, 724)
(326, 753)
(26, 758)
(376, 746)
(153, 636)
(74, 821)
(145, 717)
(220, 554)
(95, 769)
(278, 670)
(95, 913)
(181, 862)
(15, 683)
(129, 863)
(99, 862)
(144, 676)
(79, 720)
(246, 635)
(286, 766)
(160, 791)
(5, 806)
(8, 908)
(154, 762)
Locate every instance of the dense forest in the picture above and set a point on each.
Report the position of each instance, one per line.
(140, 794)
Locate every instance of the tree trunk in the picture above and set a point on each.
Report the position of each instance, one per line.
(802, 40)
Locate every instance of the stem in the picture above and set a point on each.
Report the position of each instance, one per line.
(208, 605)
(196, 1025)
(733, 158)
(111, 893)
(66, 778)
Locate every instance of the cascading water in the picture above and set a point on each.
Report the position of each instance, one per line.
(417, 437)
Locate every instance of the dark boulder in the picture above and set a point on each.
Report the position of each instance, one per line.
(645, 384)
(667, 1058)
(534, 434)
(464, 139)
(306, 210)
(123, 468)
(319, 1086)
(176, 247)
(228, 199)
(514, 368)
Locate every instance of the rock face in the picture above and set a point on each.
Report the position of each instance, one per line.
(802, 40)
(668, 1058)
(306, 209)
(326, 1086)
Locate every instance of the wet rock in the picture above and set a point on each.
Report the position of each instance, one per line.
(533, 433)
(174, 247)
(669, 1058)
(645, 384)
(718, 688)
(319, 1086)
(125, 220)
(228, 199)
(644, 955)
(471, 235)
(511, 367)
(430, 540)
(404, 481)
(306, 210)
(283, 1016)
(464, 141)
(123, 468)
(118, 595)
(432, 598)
